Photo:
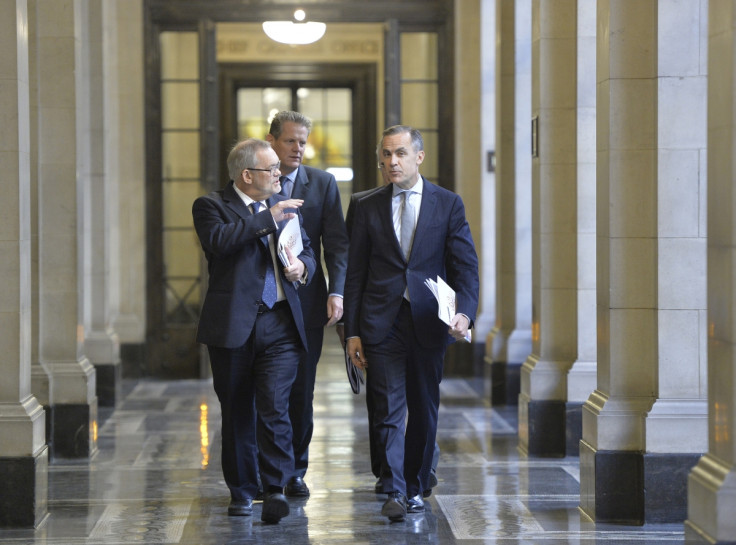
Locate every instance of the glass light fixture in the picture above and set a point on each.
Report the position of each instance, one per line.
(289, 32)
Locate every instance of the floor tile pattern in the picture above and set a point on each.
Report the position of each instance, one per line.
(156, 479)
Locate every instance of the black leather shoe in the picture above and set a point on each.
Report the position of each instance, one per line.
(240, 508)
(275, 507)
(296, 488)
(379, 486)
(395, 507)
(415, 504)
(432, 483)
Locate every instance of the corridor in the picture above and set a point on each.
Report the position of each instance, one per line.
(156, 479)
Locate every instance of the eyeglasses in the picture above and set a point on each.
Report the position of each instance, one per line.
(273, 169)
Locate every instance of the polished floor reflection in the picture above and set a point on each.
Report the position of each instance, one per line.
(157, 479)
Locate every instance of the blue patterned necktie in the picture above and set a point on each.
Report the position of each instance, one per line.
(286, 186)
(269, 287)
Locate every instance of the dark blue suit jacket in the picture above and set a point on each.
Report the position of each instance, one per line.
(325, 227)
(230, 237)
(378, 273)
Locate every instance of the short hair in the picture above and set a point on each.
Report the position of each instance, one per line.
(243, 156)
(417, 142)
(287, 116)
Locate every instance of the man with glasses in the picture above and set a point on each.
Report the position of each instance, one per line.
(321, 304)
(251, 322)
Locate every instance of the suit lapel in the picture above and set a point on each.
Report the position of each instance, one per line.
(385, 214)
(301, 183)
(234, 202)
(426, 212)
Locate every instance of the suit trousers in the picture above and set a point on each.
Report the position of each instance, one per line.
(252, 384)
(301, 411)
(402, 377)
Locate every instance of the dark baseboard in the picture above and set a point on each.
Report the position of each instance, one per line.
(24, 484)
(546, 424)
(573, 428)
(665, 486)
(505, 383)
(132, 359)
(108, 383)
(72, 435)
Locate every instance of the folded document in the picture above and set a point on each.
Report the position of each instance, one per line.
(446, 301)
(290, 237)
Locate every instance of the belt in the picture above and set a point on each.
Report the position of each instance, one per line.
(263, 308)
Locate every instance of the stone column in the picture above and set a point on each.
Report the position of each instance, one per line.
(101, 344)
(485, 239)
(126, 153)
(613, 416)
(712, 483)
(676, 425)
(644, 422)
(581, 378)
(509, 342)
(554, 219)
(61, 234)
(23, 451)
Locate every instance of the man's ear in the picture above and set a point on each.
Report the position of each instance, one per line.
(270, 139)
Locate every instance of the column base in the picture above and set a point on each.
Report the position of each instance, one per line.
(464, 360)
(694, 536)
(132, 358)
(545, 421)
(505, 383)
(24, 481)
(74, 430)
(573, 427)
(711, 490)
(109, 385)
(612, 485)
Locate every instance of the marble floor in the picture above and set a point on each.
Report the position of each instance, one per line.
(156, 479)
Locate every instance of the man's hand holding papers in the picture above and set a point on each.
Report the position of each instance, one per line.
(445, 296)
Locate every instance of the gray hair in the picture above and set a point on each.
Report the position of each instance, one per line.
(417, 142)
(286, 116)
(243, 156)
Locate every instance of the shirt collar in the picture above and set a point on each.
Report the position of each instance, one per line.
(416, 188)
(246, 199)
(292, 175)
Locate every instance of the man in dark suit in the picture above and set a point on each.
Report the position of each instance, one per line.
(373, 438)
(322, 305)
(401, 235)
(251, 322)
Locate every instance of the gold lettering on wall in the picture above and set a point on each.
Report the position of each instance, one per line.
(245, 42)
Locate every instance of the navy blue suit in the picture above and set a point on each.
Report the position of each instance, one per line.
(254, 353)
(325, 227)
(405, 343)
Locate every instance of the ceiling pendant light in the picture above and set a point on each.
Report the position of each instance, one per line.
(289, 32)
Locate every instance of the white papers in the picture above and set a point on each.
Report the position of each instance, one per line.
(291, 237)
(445, 296)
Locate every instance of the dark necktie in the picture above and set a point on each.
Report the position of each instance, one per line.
(286, 186)
(269, 287)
